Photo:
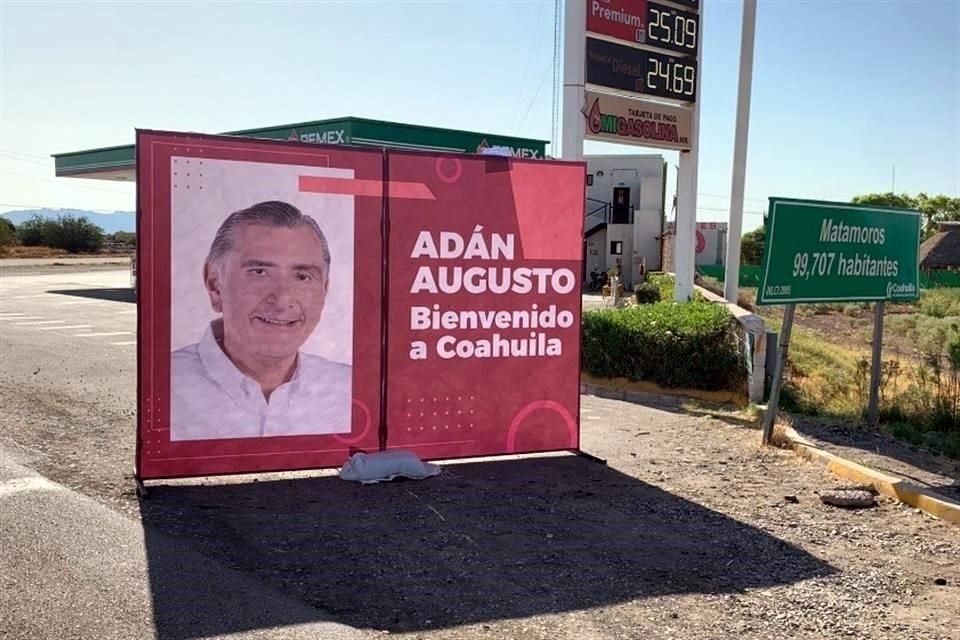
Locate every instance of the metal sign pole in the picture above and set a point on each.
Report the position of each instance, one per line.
(873, 411)
(732, 270)
(773, 406)
(573, 123)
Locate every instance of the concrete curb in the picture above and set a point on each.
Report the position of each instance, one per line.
(915, 495)
(644, 392)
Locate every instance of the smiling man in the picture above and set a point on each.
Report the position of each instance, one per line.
(267, 274)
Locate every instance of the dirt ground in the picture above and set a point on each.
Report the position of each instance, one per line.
(855, 332)
(690, 531)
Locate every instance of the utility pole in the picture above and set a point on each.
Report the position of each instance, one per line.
(731, 281)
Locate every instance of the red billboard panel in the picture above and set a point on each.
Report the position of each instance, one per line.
(622, 19)
(259, 304)
(484, 306)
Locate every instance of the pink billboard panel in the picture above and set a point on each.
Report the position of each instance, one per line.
(484, 305)
(259, 304)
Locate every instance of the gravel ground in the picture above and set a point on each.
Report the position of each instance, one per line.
(685, 534)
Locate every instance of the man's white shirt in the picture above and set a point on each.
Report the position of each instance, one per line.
(211, 398)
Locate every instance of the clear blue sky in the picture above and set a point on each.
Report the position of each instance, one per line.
(843, 90)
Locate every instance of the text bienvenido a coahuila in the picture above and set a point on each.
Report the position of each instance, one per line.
(513, 333)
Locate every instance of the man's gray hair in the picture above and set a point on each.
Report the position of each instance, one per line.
(272, 213)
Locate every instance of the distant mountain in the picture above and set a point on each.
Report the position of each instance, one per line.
(109, 222)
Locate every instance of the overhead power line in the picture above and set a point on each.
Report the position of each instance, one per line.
(56, 181)
(531, 53)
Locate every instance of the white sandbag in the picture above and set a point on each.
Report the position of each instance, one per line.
(368, 468)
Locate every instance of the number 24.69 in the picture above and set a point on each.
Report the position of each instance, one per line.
(676, 78)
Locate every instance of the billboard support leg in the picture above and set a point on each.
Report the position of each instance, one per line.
(591, 457)
(140, 489)
(774, 404)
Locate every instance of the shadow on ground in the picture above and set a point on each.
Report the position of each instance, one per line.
(115, 295)
(484, 541)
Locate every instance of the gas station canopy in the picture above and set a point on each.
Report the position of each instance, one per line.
(118, 163)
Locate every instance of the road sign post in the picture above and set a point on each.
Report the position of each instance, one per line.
(774, 404)
(873, 410)
(819, 252)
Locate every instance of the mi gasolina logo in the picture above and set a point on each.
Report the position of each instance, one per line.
(638, 124)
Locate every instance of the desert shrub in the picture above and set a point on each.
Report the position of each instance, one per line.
(8, 233)
(930, 335)
(690, 345)
(66, 232)
(901, 325)
(940, 303)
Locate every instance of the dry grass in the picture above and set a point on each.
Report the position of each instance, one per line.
(34, 253)
(31, 252)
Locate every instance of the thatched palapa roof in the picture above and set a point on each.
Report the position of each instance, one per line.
(942, 251)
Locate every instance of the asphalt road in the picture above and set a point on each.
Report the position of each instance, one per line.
(685, 534)
(72, 567)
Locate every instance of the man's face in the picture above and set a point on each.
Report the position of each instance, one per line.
(270, 288)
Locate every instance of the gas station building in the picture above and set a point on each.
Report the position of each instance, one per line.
(624, 210)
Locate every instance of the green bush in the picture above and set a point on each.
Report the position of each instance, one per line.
(66, 232)
(646, 293)
(664, 282)
(931, 334)
(940, 303)
(32, 232)
(690, 345)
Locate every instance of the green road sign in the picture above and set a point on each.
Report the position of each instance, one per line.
(833, 252)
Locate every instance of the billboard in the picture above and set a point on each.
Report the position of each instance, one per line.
(268, 305)
(839, 252)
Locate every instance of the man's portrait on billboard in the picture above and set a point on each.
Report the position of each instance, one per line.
(266, 275)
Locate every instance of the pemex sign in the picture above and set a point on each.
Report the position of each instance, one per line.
(838, 252)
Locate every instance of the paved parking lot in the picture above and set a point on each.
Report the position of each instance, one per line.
(90, 308)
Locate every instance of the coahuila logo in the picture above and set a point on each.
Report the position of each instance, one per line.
(334, 136)
(516, 152)
(897, 290)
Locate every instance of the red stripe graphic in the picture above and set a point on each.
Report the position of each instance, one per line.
(351, 187)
